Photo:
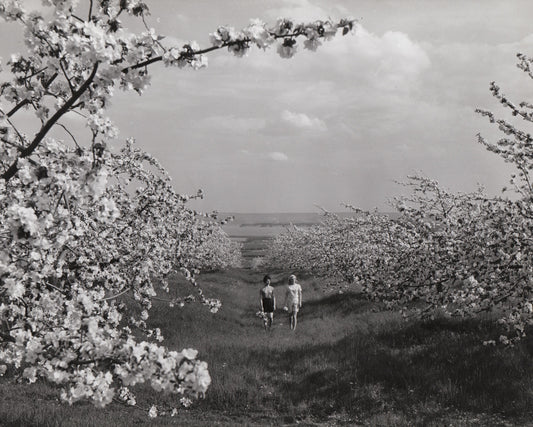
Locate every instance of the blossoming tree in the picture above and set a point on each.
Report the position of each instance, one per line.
(82, 225)
(462, 254)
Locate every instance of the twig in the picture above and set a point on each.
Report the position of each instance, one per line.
(12, 170)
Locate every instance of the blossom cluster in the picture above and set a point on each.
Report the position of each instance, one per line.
(259, 34)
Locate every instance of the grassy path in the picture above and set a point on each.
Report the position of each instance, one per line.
(348, 363)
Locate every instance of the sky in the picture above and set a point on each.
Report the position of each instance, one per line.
(339, 125)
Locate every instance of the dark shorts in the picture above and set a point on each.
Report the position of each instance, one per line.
(268, 305)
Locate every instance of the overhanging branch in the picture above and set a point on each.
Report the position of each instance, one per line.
(12, 170)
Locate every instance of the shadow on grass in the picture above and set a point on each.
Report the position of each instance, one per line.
(338, 304)
(418, 369)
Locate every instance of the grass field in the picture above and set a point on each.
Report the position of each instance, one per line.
(348, 363)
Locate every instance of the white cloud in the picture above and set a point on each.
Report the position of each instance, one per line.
(390, 61)
(305, 11)
(400, 59)
(278, 156)
(303, 121)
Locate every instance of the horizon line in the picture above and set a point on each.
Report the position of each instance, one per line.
(301, 212)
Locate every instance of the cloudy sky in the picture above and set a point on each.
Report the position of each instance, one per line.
(267, 134)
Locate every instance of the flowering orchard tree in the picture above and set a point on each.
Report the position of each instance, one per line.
(355, 249)
(207, 247)
(83, 226)
(516, 223)
(516, 146)
(462, 254)
(343, 248)
(467, 254)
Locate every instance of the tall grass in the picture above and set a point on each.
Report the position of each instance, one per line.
(348, 362)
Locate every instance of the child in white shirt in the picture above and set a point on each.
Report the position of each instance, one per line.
(293, 300)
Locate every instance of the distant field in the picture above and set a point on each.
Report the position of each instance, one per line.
(284, 218)
(253, 247)
(348, 363)
(253, 231)
(271, 224)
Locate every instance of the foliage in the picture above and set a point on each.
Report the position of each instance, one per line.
(84, 224)
(462, 254)
(329, 248)
(207, 247)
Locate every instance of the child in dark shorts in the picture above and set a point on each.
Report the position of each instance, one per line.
(268, 302)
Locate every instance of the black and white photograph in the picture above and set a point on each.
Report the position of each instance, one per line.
(266, 212)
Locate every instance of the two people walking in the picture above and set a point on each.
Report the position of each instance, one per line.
(292, 304)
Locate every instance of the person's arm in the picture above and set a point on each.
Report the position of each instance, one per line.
(261, 300)
(300, 296)
(274, 298)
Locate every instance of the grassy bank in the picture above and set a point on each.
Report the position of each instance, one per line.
(347, 363)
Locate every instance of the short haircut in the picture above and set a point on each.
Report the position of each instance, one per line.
(267, 277)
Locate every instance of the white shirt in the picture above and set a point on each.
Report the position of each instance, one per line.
(294, 294)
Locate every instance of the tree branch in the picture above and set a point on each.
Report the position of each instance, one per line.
(7, 337)
(116, 295)
(206, 50)
(27, 101)
(12, 170)
(70, 133)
